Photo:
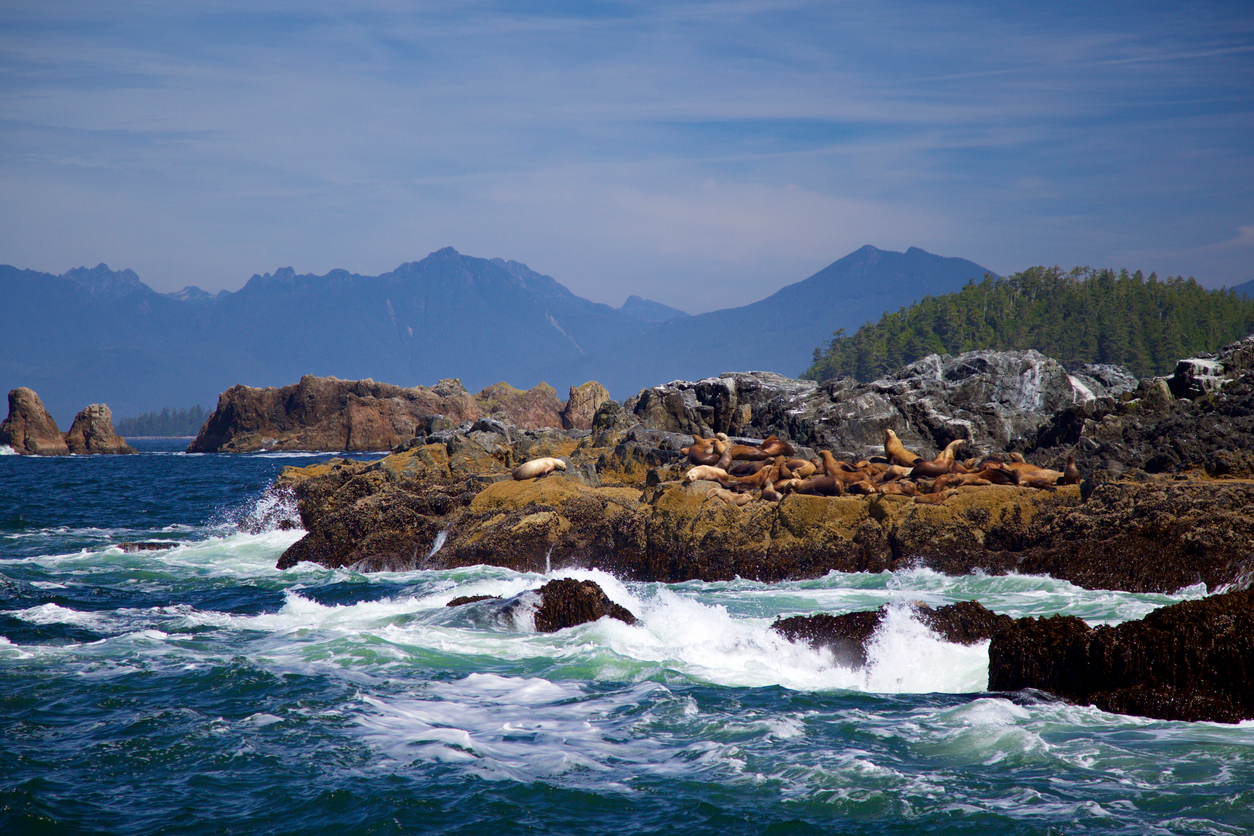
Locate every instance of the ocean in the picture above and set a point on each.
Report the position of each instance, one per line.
(200, 690)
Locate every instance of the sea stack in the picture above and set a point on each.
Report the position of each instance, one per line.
(29, 429)
(92, 432)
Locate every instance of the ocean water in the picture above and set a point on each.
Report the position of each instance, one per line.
(200, 690)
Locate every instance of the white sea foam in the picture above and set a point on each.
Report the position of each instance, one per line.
(6, 450)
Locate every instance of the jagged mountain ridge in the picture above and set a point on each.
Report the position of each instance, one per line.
(96, 335)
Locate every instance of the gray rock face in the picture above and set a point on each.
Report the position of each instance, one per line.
(991, 399)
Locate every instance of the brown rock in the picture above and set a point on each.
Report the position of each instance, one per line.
(965, 622)
(582, 405)
(92, 432)
(29, 428)
(1189, 661)
(567, 602)
(323, 413)
(537, 407)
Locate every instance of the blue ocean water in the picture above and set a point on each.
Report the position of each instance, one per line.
(200, 690)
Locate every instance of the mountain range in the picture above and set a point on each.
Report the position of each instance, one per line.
(98, 335)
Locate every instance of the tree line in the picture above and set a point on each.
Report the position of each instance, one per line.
(1077, 317)
(167, 422)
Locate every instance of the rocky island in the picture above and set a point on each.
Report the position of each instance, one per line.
(1164, 500)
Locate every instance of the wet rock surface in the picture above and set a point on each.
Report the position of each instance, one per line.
(1190, 661)
(567, 602)
(846, 636)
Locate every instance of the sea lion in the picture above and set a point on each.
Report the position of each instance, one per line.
(537, 467)
(737, 499)
(896, 451)
(772, 445)
(706, 473)
(820, 486)
(946, 456)
(1071, 473)
(770, 494)
(800, 468)
(930, 470)
(702, 451)
(902, 487)
(934, 498)
(747, 468)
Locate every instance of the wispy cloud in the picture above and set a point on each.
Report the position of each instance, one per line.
(682, 150)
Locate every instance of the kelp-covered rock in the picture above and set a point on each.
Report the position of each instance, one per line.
(1190, 661)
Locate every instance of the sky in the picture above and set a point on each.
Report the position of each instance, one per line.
(702, 154)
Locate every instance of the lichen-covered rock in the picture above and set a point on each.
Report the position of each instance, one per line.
(29, 428)
(92, 432)
(1190, 661)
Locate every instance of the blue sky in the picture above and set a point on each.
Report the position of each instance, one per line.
(703, 154)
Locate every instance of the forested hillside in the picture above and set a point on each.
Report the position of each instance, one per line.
(1081, 316)
(167, 422)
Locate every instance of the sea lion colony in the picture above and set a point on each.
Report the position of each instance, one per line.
(770, 470)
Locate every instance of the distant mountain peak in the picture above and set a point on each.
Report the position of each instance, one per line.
(101, 281)
(646, 310)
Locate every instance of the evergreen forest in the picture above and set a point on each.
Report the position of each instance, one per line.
(1077, 317)
(167, 422)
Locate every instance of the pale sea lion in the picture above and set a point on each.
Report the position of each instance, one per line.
(537, 467)
(706, 473)
(738, 499)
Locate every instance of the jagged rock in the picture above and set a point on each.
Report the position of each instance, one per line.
(991, 399)
(92, 432)
(145, 546)
(965, 622)
(566, 603)
(462, 600)
(1190, 661)
(29, 428)
(536, 407)
(582, 405)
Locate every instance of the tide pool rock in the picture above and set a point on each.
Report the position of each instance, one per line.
(29, 428)
(567, 602)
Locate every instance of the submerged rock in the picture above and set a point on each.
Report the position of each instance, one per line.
(29, 428)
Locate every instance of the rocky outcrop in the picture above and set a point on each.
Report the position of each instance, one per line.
(527, 410)
(847, 635)
(29, 428)
(1201, 419)
(323, 413)
(582, 405)
(990, 399)
(92, 432)
(565, 603)
(1190, 661)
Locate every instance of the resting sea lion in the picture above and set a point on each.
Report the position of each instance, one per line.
(702, 451)
(706, 473)
(800, 468)
(772, 445)
(820, 485)
(896, 451)
(537, 467)
(727, 496)
(934, 498)
(930, 470)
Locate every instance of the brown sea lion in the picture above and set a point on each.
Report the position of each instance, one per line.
(930, 470)
(770, 494)
(800, 468)
(537, 467)
(946, 456)
(747, 468)
(772, 445)
(702, 451)
(896, 451)
(934, 498)
(738, 499)
(903, 487)
(820, 486)
(1071, 474)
